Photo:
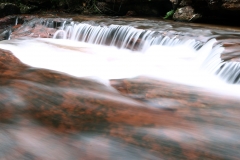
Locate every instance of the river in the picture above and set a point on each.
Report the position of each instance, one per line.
(122, 88)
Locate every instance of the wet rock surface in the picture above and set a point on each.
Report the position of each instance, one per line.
(84, 119)
(38, 27)
(17, 26)
(10, 23)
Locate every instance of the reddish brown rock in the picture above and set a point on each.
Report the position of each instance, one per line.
(38, 30)
(37, 100)
(231, 52)
(50, 115)
(11, 23)
(38, 27)
(203, 110)
(231, 49)
(7, 21)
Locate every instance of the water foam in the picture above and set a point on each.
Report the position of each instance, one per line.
(82, 59)
(179, 63)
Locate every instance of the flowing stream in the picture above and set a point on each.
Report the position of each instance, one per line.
(100, 49)
(185, 73)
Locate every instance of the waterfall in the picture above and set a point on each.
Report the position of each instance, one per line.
(179, 63)
(16, 21)
(230, 72)
(128, 37)
(121, 36)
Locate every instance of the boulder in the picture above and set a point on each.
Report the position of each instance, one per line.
(186, 14)
(231, 4)
(210, 11)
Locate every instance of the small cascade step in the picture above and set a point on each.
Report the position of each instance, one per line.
(122, 36)
(131, 38)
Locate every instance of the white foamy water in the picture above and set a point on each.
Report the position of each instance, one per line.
(179, 63)
(82, 59)
(122, 36)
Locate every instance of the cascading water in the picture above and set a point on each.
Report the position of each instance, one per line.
(141, 40)
(82, 59)
(230, 68)
(156, 54)
(121, 36)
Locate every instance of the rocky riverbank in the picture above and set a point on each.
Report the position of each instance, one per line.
(210, 11)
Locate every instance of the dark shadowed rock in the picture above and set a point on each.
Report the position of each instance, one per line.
(8, 9)
(140, 8)
(210, 11)
(27, 8)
